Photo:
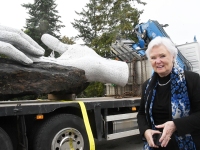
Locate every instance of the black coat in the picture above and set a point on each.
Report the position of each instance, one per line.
(186, 125)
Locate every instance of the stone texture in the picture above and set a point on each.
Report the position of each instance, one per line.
(39, 78)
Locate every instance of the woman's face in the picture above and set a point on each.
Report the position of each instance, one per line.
(161, 60)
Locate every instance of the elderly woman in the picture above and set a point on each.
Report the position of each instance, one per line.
(170, 103)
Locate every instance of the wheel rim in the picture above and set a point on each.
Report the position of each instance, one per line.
(68, 139)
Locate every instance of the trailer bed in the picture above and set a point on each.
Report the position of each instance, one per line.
(25, 107)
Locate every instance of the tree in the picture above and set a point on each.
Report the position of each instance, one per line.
(95, 89)
(87, 25)
(3, 56)
(102, 21)
(100, 24)
(68, 40)
(43, 19)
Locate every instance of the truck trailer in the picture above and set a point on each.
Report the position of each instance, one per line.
(73, 124)
(57, 125)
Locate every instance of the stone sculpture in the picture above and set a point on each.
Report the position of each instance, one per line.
(22, 48)
(18, 80)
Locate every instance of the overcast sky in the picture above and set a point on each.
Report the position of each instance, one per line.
(182, 16)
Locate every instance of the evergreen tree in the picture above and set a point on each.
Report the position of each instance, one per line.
(43, 19)
(68, 40)
(102, 21)
(88, 24)
(100, 24)
(95, 89)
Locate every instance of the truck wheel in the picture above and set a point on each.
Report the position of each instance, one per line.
(5, 141)
(62, 132)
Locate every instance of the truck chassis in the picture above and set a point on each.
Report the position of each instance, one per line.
(57, 125)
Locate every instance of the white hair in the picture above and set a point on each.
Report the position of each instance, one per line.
(165, 42)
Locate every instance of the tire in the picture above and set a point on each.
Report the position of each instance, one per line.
(5, 141)
(61, 132)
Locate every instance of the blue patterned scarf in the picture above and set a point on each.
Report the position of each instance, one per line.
(180, 105)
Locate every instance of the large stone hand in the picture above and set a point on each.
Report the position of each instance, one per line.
(96, 67)
(18, 45)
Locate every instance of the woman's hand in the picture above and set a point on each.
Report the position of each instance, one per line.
(168, 129)
(148, 134)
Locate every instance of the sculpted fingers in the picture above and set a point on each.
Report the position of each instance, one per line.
(31, 41)
(20, 39)
(21, 43)
(54, 44)
(10, 51)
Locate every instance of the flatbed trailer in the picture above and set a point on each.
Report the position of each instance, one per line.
(66, 125)
(73, 125)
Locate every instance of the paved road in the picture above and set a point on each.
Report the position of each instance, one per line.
(128, 143)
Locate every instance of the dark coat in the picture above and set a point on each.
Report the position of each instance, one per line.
(186, 125)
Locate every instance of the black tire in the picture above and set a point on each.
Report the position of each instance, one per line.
(63, 129)
(5, 141)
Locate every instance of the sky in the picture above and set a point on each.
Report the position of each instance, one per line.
(182, 16)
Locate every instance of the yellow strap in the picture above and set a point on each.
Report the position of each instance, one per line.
(71, 144)
(87, 125)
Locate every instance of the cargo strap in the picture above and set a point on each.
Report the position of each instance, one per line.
(87, 125)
